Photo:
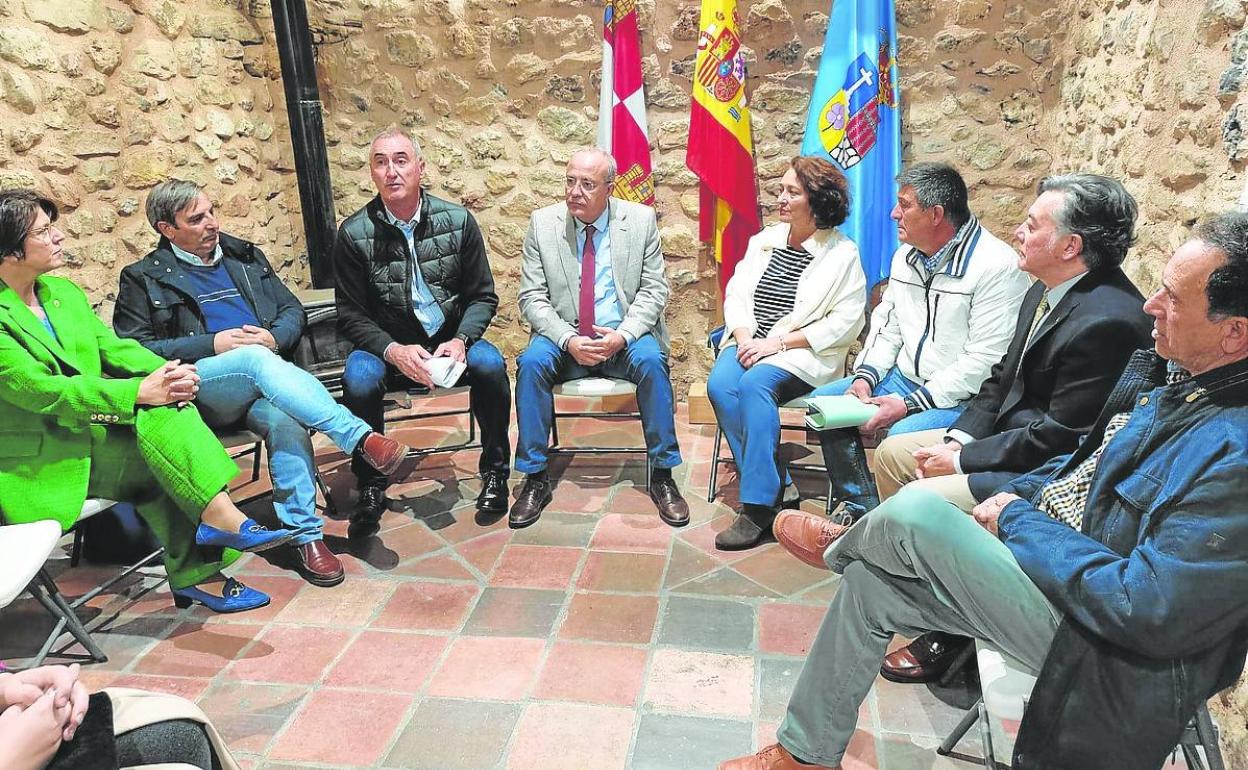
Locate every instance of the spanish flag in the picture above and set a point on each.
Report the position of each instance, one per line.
(721, 148)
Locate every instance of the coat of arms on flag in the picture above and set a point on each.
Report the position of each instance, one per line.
(853, 119)
(722, 70)
(849, 121)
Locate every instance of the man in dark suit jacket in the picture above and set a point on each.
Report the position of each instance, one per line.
(1077, 326)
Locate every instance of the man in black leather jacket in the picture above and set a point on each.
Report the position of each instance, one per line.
(413, 283)
(208, 298)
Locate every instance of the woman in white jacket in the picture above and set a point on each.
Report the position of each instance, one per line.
(791, 310)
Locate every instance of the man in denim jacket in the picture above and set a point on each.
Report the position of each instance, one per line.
(1117, 573)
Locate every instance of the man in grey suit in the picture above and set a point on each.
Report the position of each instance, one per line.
(592, 289)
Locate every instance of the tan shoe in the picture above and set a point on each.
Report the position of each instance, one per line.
(774, 757)
(382, 452)
(806, 535)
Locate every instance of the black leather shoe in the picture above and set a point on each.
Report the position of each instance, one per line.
(751, 528)
(926, 659)
(494, 492)
(672, 507)
(532, 498)
(366, 518)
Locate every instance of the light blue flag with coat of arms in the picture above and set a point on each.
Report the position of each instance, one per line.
(854, 120)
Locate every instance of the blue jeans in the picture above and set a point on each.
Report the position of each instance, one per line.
(747, 408)
(280, 402)
(542, 365)
(843, 453)
(367, 378)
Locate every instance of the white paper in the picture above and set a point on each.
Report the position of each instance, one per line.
(445, 370)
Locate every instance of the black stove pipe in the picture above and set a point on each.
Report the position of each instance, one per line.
(307, 135)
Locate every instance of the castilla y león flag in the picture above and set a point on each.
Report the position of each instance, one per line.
(721, 148)
(622, 104)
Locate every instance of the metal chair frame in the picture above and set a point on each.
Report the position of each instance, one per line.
(556, 447)
(1201, 733)
(253, 445)
(712, 342)
(403, 400)
(44, 589)
(716, 459)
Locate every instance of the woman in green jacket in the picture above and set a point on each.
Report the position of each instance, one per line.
(84, 413)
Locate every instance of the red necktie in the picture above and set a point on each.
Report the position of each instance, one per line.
(588, 274)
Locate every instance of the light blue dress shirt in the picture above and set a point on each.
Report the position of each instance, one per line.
(606, 303)
(424, 306)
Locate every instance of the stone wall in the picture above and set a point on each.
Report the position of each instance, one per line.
(101, 99)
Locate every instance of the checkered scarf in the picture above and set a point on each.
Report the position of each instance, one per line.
(1065, 498)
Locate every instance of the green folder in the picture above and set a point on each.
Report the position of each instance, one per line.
(824, 412)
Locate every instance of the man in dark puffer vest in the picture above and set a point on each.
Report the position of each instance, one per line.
(413, 283)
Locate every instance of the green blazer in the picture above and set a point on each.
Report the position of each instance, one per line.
(52, 392)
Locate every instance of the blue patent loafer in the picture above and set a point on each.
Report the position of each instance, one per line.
(235, 597)
(251, 538)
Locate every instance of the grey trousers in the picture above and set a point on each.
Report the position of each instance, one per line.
(916, 564)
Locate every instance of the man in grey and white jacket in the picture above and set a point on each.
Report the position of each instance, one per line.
(945, 319)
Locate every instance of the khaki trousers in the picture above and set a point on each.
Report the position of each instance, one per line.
(915, 564)
(895, 468)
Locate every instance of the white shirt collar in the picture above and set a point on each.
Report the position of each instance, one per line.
(192, 259)
(1059, 291)
(393, 219)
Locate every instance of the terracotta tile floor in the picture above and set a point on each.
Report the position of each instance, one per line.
(599, 638)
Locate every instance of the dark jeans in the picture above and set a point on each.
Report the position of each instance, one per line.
(543, 364)
(367, 378)
(846, 460)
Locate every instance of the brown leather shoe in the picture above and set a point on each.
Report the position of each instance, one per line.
(672, 506)
(318, 564)
(774, 757)
(926, 659)
(382, 452)
(806, 535)
(535, 495)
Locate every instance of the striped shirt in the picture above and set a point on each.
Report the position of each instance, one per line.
(777, 288)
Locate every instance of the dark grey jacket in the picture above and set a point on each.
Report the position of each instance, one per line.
(156, 303)
(373, 277)
(1041, 398)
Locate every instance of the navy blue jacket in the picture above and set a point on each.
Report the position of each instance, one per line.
(156, 303)
(1154, 588)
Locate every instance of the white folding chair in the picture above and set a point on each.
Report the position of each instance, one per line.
(595, 387)
(24, 551)
(1006, 686)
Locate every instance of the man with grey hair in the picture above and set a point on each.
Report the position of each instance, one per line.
(944, 321)
(208, 298)
(593, 290)
(1114, 572)
(413, 283)
(1076, 328)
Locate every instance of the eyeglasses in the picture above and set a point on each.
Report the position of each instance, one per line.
(43, 233)
(586, 185)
